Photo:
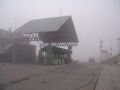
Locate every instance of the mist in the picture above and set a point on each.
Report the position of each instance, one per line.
(94, 20)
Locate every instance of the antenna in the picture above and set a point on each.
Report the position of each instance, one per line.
(15, 23)
(60, 15)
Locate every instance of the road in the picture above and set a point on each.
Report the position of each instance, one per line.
(109, 78)
(47, 77)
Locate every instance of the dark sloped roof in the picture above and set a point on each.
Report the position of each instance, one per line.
(51, 30)
(42, 25)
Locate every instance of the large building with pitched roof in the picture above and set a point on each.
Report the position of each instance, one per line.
(57, 31)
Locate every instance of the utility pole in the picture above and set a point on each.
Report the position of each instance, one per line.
(101, 47)
(118, 39)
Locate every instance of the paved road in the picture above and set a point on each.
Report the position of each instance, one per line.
(43, 77)
(109, 78)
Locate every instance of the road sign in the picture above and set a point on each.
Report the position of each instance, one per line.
(103, 51)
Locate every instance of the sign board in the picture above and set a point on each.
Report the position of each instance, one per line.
(104, 51)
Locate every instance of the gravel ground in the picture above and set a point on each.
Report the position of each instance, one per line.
(47, 77)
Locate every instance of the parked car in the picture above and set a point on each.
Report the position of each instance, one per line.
(91, 59)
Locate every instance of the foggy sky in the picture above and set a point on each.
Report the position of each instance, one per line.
(94, 20)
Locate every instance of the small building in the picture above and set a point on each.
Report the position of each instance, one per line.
(11, 49)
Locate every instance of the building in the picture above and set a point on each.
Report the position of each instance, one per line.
(55, 31)
(12, 47)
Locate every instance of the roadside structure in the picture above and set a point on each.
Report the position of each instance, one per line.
(52, 33)
(59, 55)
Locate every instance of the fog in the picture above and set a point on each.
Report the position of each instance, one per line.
(94, 20)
